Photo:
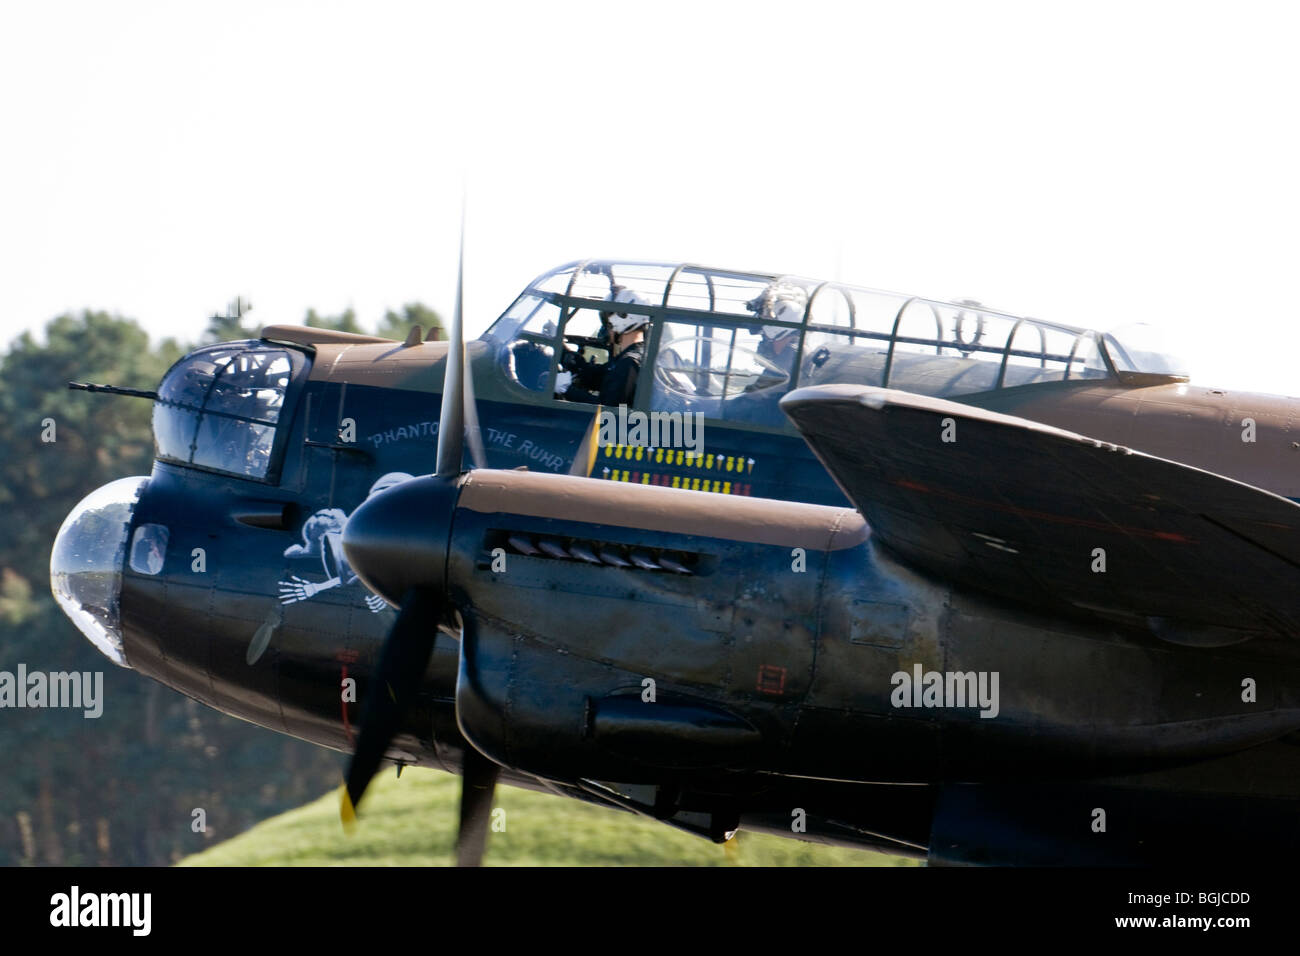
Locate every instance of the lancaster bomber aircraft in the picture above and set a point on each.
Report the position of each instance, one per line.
(922, 576)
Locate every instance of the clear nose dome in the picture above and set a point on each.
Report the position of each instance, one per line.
(86, 563)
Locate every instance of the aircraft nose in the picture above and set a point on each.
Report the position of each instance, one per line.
(87, 559)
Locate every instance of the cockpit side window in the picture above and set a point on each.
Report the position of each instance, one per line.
(219, 409)
(583, 336)
(529, 350)
(729, 372)
(514, 319)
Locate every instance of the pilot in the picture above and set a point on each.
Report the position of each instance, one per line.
(780, 302)
(780, 345)
(613, 382)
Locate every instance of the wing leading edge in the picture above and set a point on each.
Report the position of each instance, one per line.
(1047, 517)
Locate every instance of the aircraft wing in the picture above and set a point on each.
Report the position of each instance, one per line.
(1029, 513)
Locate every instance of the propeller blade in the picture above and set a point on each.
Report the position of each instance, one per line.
(585, 458)
(477, 787)
(451, 420)
(402, 664)
(373, 537)
(476, 453)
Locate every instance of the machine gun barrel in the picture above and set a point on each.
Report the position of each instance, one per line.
(114, 390)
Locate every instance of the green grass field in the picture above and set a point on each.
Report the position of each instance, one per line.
(412, 822)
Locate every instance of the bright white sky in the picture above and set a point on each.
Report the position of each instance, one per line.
(1097, 163)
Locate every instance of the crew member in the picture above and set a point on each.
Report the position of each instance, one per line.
(780, 344)
(780, 302)
(612, 382)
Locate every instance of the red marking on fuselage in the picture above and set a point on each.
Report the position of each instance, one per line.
(771, 679)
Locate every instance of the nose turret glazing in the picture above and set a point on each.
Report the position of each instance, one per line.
(87, 560)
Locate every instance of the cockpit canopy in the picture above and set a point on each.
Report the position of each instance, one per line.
(218, 408)
(729, 343)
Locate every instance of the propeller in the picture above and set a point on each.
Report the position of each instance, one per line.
(473, 433)
(451, 420)
(397, 542)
